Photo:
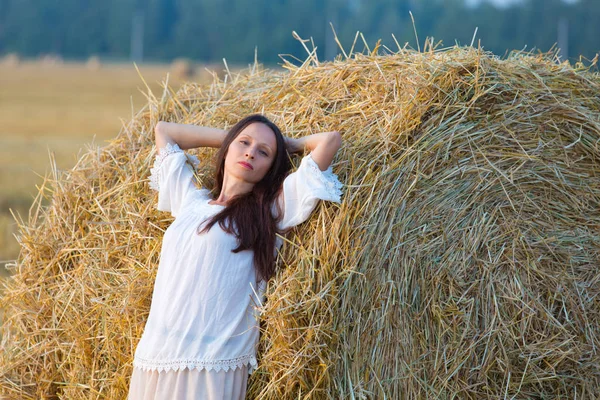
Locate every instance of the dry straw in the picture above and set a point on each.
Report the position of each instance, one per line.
(462, 262)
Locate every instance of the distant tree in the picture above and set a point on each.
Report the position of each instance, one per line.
(159, 26)
(584, 29)
(85, 25)
(3, 15)
(25, 29)
(118, 27)
(209, 30)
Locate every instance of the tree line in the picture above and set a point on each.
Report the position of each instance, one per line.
(209, 30)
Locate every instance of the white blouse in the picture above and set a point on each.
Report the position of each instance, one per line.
(203, 312)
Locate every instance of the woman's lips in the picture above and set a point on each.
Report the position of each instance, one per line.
(246, 165)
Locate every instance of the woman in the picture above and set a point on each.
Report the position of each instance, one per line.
(200, 338)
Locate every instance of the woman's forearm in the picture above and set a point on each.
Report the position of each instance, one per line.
(188, 136)
(323, 146)
(312, 142)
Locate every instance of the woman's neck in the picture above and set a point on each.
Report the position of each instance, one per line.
(231, 188)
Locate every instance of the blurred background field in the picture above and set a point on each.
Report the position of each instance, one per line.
(59, 109)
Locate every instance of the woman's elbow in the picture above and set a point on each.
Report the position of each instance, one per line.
(162, 132)
(159, 127)
(161, 137)
(336, 139)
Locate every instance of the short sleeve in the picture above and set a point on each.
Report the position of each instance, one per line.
(303, 188)
(172, 177)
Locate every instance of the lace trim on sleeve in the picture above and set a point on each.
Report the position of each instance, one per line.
(329, 180)
(163, 152)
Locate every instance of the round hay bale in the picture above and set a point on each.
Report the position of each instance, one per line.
(93, 63)
(50, 59)
(182, 68)
(462, 262)
(11, 60)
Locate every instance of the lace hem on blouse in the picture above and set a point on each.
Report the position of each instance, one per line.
(330, 181)
(163, 153)
(180, 365)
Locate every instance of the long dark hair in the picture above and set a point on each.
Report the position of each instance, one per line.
(248, 216)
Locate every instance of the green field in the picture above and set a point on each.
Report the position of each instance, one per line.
(59, 109)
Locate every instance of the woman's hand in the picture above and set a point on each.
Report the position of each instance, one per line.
(293, 145)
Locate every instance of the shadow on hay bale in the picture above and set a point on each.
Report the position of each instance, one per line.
(463, 261)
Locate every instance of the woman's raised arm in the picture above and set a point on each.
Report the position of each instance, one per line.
(187, 136)
(322, 146)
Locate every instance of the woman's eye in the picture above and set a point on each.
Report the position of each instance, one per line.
(264, 153)
(243, 142)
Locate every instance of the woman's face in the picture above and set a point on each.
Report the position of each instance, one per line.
(251, 153)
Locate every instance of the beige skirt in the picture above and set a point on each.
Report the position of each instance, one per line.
(188, 384)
